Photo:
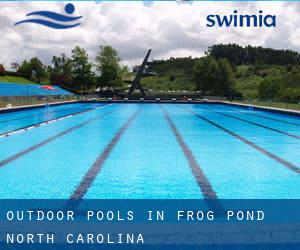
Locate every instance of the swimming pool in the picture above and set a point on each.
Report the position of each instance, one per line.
(173, 151)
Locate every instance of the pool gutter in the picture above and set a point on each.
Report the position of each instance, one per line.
(264, 108)
(246, 106)
(19, 108)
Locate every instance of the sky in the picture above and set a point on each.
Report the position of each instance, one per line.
(171, 29)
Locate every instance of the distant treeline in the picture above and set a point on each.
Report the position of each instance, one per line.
(232, 70)
(225, 70)
(183, 65)
(234, 53)
(238, 55)
(76, 72)
(209, 75)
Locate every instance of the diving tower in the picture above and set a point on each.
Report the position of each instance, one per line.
(136, 82)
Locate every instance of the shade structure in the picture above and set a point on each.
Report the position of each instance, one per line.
(48, 87)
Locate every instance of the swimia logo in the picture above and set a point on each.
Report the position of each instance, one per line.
(239, 20)
(54, 20)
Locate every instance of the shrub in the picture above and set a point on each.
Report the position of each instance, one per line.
(269, 88)
(290, 95)
(172, 78)
(2, 70)
(213, 76)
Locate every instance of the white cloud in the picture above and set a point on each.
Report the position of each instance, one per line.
(170, 29)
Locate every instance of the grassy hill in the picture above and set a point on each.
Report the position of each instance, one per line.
(253, 81)
(166, 83)
(172, 74)
(15, 79)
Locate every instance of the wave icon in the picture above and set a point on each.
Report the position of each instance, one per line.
(55, 20)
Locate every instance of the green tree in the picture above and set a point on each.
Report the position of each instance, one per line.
(224, 83)
(238, 55)
(108, 65)
(61, 71)
(33, 70)
(290, 94)
(213, 76)
(2, 70)
(38, 70)
(25, 69)
(83, 76)
(205, 74)
(270, 88)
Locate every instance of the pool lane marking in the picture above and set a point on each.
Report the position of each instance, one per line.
(38, 114)
(94, 170)
(266, 117)
(50, 139)
(273, 119)
(280, 160)
(27, 128)
(6, 134)
(201, 179)
(256, 124)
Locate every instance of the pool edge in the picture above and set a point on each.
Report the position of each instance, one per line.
(263, 108)
(242, 105)
(34, 106)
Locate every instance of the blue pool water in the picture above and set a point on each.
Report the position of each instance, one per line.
(149, 151)
(17, 120)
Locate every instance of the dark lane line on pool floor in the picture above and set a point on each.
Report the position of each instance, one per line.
(280, 160)
(50, 139)
(201, 179)
(36, 125)
(95, 169)
(273, 119)
(262, 116)
(256, 124)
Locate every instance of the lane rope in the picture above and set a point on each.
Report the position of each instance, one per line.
(30, 127)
